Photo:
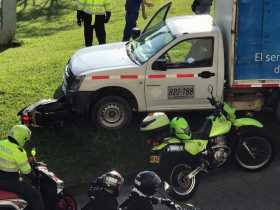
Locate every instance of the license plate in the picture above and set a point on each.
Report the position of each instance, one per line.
(154, 159)
(180, 92)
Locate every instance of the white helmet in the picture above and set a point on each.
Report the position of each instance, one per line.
(154, 121)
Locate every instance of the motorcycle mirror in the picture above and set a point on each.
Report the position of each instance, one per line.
(33, 152)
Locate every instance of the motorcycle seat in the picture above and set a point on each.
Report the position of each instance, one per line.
(7, 195)
(204, 131)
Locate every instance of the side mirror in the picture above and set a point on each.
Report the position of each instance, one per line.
(135, 33)
(160, 65)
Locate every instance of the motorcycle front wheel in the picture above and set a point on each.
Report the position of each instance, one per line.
(66, 202)
(181, 186)
(254, 151)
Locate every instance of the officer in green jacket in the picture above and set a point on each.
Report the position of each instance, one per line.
(14, 161)
(94, 14)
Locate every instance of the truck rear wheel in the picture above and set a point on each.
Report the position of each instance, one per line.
(112, 112)
(277, 110)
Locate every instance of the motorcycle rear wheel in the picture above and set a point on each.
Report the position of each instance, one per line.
(182, 187)
(254, 151)
(66, 202)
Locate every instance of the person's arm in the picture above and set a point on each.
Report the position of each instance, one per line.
(108, 9)
(22, 162)
(108, 16)
(148, 4)
(143, 5)
(144, 15)
(80, 17)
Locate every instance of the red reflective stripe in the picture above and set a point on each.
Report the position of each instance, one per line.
(270, 85)
(156, 76)
(185, 75)
(241, 86)
(129, 76)
(99, 77)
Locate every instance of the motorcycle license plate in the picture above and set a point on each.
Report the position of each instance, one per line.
(154, 159)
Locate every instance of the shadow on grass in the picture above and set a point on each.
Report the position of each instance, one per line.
(38, 31)
(13, 44)
(48, 11)
(47, 8)
(79, 151)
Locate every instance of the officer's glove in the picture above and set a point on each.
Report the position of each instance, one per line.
(80, 17)
(107, 17)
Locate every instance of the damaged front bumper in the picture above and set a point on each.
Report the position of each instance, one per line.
(46, 112)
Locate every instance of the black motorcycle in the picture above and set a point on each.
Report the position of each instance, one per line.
(94, 188)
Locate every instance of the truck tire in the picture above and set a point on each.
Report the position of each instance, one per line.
(112, 112)
(277, 110)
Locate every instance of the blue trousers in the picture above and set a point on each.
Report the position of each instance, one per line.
(130, 23)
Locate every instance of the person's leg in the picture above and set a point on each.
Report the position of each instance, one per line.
(130, 23)
(25, 191)
(88, 30)
(99, 27)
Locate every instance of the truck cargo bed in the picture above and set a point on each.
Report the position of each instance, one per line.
(251, 30)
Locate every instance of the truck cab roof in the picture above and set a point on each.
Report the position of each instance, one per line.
(180, 25)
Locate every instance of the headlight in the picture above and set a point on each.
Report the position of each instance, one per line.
(76, 83)
(72, 82)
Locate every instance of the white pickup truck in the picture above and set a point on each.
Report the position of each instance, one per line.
(170, 66)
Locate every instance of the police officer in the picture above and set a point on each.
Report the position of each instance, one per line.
(13, 160)
(146, 184)
(132, 12)
(202, 6)
(94, 14)
(103, 192)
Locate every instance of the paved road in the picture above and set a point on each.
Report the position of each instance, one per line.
(231, 188)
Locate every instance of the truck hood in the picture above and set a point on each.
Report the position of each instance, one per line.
(99, 58)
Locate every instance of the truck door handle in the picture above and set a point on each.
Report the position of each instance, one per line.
(206, 74)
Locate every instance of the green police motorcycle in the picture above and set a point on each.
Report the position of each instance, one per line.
(180, 155)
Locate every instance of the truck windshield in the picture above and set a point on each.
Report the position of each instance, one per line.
(148, 44)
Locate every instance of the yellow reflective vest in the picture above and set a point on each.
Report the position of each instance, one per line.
(13, 158)
(97, 7)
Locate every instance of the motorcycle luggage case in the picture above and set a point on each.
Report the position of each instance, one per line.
(46, 112)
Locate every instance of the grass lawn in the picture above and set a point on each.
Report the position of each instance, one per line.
(34, 71)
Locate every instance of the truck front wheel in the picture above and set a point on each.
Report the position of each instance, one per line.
(112, 112)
